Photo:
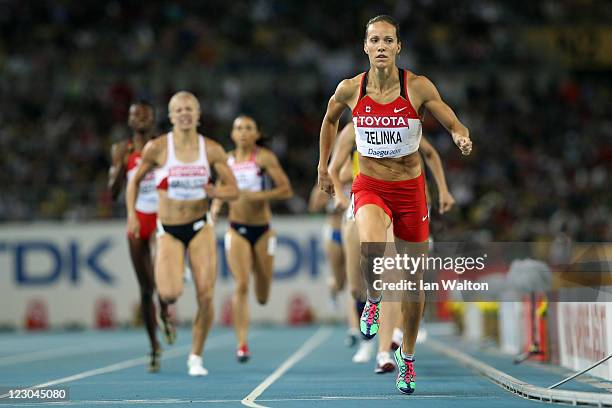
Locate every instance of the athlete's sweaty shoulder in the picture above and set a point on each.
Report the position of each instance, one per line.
(265, 157)
(159, 144)
(348, 90)
(212, 144)
(214, 151)
(421, 89)
(154, 151)
(419, 83)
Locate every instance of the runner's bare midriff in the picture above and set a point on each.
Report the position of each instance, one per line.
(391, 169)
(175, 212)
(249, 212)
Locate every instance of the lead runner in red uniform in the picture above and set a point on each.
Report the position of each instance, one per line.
(387, 104)
(126, 155)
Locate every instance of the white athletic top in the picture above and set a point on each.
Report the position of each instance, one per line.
(147, 199)
(386, 130)
(249, 175)
(184, 181)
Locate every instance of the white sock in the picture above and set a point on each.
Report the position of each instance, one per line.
(409, 357)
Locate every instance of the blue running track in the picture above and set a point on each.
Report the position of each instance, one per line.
(290, 367)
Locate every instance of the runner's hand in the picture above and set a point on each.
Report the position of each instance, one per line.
(133, 226)
(464, 143)
(211, 191)
(340, 202)
(325, 182)
(446, 201)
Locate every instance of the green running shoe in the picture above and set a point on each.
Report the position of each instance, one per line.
(406, 377)
(370, 321)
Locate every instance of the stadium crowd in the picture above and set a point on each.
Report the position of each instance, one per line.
(541, 125)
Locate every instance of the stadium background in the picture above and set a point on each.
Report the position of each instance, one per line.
(531, 80)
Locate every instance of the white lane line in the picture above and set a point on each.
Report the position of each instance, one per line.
(175, 352)
(36, 355)
(520, 388)
(212, 401)
(64, 351)
(379, 397)
(125, 402)
(313, 342)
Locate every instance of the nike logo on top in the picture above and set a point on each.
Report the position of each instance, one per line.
(424, 218)
(395, 110)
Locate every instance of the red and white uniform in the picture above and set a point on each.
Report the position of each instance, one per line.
(146, 203)
(147, 193)
(391, 130)
(386, 130)
(184, 181)
(249, 175)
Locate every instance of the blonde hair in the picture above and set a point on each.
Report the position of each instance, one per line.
(182, 95)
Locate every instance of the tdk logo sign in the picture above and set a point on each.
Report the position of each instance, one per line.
(42, 262)
(39, 262)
